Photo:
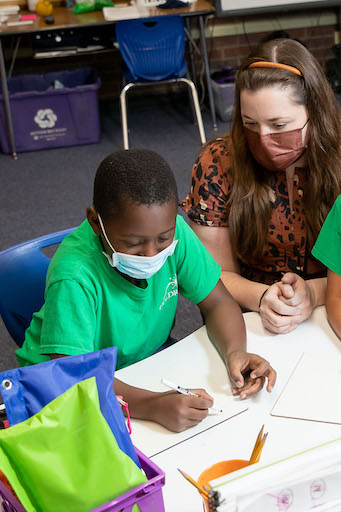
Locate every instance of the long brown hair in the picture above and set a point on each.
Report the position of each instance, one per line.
(249, 202)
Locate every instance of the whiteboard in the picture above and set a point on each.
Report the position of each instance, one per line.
(244, 7)
(313, 391)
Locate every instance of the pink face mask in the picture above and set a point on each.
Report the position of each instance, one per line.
(276, 151)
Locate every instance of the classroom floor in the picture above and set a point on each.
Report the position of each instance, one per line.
(46, 191)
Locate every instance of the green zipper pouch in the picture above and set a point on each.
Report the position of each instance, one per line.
(65, 457)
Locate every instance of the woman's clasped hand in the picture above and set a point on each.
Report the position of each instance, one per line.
(286, 304)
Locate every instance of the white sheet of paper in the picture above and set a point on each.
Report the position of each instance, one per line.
(190, 365)
(313, 390)
(123, 13)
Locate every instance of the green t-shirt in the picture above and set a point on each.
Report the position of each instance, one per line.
(89, 306)
(327, 248)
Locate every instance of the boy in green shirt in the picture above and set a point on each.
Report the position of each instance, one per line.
(114, 281)
(327, 249)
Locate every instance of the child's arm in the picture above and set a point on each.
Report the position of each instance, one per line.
(172, 410)
(333, 301)
(226, 328)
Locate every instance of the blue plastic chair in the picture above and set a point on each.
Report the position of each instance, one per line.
(22, 282)
(153, 51)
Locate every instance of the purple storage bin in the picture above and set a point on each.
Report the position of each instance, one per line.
(47, 117)
(147, 496)
(7, 501)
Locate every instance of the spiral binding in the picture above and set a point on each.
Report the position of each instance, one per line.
(213, 499)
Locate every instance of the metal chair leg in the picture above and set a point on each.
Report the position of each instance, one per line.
(124, 121)
(196, 107)
(207, 72)
(7, 106)
(191, 47)
(190, 97)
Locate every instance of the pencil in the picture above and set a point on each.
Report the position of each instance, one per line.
(196, 485)
(259, 437)
(256, 456)
(260, 448)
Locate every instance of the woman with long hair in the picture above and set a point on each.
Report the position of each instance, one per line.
(260, 195)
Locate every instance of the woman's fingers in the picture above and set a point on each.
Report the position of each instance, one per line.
(273, 300)
(284, 328)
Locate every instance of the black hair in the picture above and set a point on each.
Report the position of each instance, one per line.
(137, 175)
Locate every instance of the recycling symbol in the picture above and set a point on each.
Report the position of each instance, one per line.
(45, 118)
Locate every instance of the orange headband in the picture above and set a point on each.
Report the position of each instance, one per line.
(277, 65)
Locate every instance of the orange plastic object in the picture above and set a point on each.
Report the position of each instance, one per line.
(218, 470)
(44, 8)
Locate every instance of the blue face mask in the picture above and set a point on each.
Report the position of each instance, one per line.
(138, 267)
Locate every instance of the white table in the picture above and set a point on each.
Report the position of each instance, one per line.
(234, 438)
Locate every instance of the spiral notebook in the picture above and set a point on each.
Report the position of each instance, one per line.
(309, 480)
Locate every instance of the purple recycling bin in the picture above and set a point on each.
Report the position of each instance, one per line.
(52, 110)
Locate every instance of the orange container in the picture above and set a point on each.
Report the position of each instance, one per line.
(218, 470)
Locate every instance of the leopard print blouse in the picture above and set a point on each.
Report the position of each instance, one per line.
(286, 249)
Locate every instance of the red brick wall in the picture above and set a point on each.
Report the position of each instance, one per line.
(231, 50)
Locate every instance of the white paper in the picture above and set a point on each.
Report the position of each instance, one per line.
(124, 13)
(313, 390)
(190, 365)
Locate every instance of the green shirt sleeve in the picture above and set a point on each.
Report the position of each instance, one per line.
(69, 319)
(327, 248)
(198, 273)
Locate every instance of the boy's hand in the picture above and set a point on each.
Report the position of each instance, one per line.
(249, 372)
(178, 412)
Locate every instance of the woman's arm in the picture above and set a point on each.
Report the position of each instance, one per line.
(333, 301)
(283, 306)
(218, 242)
(318, 287)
